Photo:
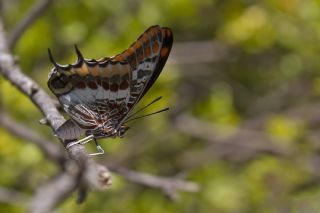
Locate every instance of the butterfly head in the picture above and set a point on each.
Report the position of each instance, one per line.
(117, 132)
(110, 132)
(60, 76)
(122, 130)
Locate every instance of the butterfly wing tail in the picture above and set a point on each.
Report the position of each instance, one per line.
(69, 131)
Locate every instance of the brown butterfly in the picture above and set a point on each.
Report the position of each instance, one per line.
(99, 95)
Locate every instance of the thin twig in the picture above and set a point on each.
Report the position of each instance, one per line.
(50, 149)
(36, 10)
(46, 197)
(169, 186)
(240, 144)
(12, 197)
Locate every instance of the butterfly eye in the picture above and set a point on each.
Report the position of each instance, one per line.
(59, 82)
(52, 73)
(123, 129)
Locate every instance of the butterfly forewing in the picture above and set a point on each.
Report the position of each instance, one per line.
(100, 93)
(147, 56)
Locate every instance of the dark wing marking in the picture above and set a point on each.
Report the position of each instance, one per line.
(93, 93)
(147, 57)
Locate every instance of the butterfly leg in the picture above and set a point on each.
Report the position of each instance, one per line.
(85, 140)
(82, 141)
(99, 148)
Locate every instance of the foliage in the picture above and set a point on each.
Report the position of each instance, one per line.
(267, 84)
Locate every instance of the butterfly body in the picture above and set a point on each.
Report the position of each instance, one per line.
(98, 95)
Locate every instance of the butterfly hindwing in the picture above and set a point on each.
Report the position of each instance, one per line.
(97, 93)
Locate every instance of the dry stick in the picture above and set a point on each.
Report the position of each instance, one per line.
(36, 11)
(240, 144)
(51, 150)
(169, 186)
(12, 197)
(46, 197)
(99, 175)
(211, 132)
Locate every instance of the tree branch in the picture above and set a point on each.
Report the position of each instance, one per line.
(99, 176)
(240, 144)
(51, 150)
(169, 186)
(12, 196)
(46, 197)
(240, 135)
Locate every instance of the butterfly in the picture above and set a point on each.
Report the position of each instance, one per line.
(99, 95)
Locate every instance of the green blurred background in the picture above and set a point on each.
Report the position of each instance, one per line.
(243, 85)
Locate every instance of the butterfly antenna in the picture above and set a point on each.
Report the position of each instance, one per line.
(163, 110)
(152, 102)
